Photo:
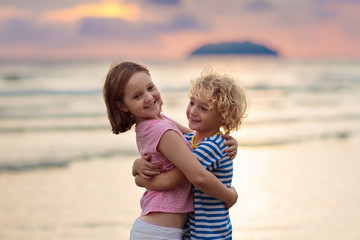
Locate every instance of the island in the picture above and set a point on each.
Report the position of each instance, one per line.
(234, 48)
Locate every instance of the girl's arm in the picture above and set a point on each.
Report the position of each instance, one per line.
(149, 175)
(231, 142)
(147, 170)
(164, 181)
(174, 148)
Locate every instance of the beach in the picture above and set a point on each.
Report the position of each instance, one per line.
(64, 175)
(287, 192)
(87, 200)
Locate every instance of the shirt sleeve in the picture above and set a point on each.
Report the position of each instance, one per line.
(156, 130)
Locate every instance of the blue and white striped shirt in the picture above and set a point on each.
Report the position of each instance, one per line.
(210, 219)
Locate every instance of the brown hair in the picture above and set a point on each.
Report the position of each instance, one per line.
(115, 82)
(225, 94)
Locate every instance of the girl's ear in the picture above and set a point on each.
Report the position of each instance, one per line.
(122, 106)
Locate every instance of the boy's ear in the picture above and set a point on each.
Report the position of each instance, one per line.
(122, 106)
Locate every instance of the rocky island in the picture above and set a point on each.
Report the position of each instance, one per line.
(234, 48)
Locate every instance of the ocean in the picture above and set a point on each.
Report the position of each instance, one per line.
(302, 113)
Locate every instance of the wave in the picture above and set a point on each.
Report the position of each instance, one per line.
(43, 163)
(47, 92)
(267, 121)
(260, 87)
(53, 128)
(51, 162)
(11, 77)
(314, 88)
(344, 134)
(21, 116)
(329, 118)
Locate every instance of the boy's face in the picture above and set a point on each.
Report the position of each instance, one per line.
(201, 118)
(141, 98)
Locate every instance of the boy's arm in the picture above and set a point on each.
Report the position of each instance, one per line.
(144, 168)
(164, 181)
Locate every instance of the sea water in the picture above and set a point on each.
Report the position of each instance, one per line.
(52, 113)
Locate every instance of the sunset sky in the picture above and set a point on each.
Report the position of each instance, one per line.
(171, 29)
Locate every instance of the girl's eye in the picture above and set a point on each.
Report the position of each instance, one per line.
(151, 87)
(137, 96)
(204, 109)
(191, 103)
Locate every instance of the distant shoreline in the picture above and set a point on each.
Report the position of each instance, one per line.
(234, 48)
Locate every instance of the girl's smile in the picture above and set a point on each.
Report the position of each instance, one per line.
(151, 105)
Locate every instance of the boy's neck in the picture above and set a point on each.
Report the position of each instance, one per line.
(200, 136)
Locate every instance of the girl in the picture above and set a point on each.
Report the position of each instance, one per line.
(131, 98)
(216, 101)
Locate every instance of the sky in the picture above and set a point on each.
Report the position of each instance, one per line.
(172, 29)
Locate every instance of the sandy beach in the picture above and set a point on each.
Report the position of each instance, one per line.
(303, 191)
(95, 199)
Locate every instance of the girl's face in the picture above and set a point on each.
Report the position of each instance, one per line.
(201, 118)
(141, 98)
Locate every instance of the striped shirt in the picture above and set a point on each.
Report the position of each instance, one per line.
(210, 219)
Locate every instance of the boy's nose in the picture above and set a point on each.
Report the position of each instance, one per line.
(192, 111)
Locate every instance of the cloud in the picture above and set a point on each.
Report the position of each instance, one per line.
(14, 13)
(41, 5)
(138, 31)
(78, 12)
(165, 2)
(183, 22)
(27, 33)
(258, 5)
(117, 27)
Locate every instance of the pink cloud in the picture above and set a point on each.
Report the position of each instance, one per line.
(14, 13)
(109, 10)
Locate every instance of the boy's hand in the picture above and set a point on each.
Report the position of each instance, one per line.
(232, 145)
(144, 168)
(234, 200)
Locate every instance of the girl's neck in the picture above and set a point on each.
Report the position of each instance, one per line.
(139, 119)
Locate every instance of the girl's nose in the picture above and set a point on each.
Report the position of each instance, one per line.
(148, 96)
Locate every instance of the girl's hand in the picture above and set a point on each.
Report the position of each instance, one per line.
(144, 168)
(234, 200)
(232, 145)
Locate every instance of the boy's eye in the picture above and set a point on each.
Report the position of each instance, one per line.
(137, 96)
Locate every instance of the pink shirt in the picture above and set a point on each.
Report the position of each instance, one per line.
(177, 200)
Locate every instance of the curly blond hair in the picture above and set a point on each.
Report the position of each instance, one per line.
(224, 93)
